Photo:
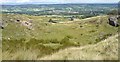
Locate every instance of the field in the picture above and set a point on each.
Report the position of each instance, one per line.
(38, 37)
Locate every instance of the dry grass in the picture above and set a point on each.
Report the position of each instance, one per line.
(42, 43)
(104, 50)
(0, 50)
(0, 54)
(21, 55)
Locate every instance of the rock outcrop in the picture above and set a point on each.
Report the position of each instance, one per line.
(113, 21)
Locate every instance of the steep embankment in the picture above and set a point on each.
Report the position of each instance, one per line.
(104, 50)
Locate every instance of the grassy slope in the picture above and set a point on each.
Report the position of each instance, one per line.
(0, 54)
(92, 29)
(104, 50)
(59, 31)
(0, 41)
(0, 44)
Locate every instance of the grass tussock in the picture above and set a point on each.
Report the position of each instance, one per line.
(21, 55)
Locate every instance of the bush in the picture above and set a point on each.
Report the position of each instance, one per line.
(113, 12)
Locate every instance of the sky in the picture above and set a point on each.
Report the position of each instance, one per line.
(56, 1)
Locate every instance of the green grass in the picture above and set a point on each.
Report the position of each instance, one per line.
(104, 50)
(48, 38)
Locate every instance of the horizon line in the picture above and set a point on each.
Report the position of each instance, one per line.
(51, 3)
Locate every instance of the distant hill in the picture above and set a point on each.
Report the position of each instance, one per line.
(59, 9)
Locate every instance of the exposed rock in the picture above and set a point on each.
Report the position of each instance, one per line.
(18, 20)
(27, 24)
(71, 19)
(52, 21)
(113, 21)
(1, 25)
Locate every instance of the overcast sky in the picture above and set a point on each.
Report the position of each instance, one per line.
(58, 1)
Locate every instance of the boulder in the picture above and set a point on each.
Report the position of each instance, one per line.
(113, 21)
(52, 21)
(1, 25)
(18, 20)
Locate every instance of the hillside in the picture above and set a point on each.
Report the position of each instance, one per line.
(27, 37)
(0, 47)
(104, 50)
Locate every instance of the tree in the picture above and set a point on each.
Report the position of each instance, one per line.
(113, 12)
